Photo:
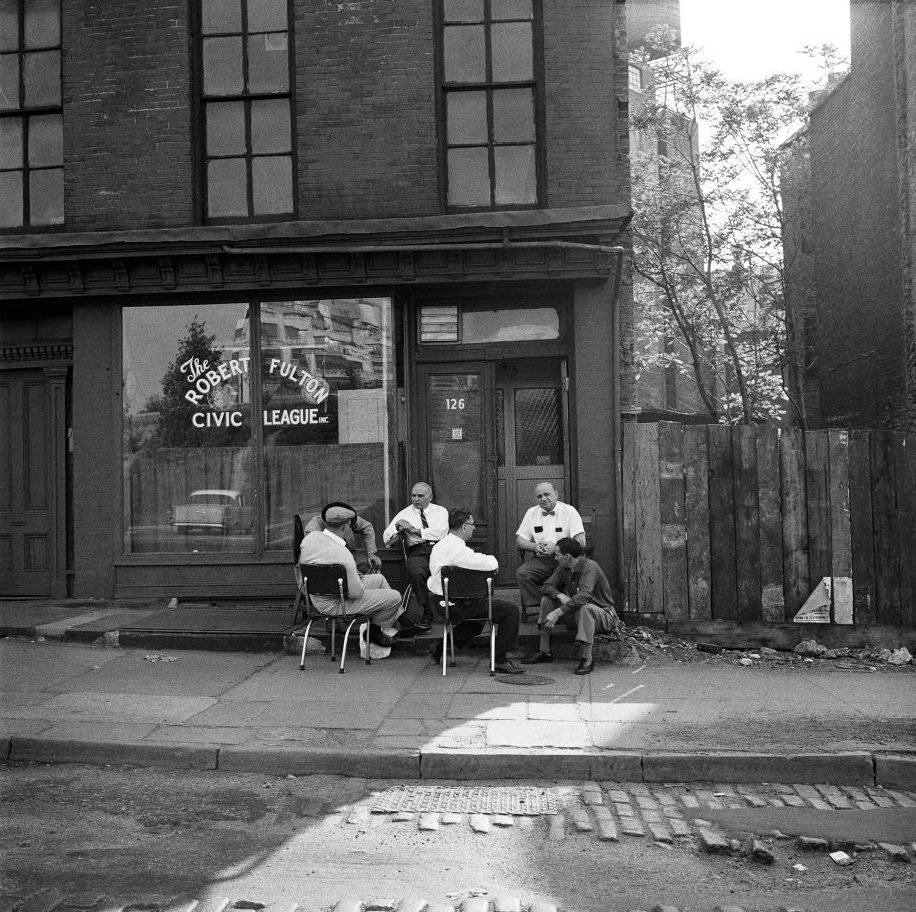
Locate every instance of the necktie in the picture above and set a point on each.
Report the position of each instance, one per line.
(423, 521)
(551, 513)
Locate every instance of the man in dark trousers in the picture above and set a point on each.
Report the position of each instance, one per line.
(578, 594)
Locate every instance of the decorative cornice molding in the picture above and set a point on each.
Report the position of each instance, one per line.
(62, 351)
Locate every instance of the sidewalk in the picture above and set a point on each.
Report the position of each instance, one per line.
(67, 701)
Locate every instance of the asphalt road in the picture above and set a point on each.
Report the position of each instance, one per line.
(143, 835)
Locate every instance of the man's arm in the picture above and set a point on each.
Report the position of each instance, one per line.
(580, 537)
(391, 530)
(314, 525)
(552, 586)
(363, 528)
(469, 559)
(588, 579)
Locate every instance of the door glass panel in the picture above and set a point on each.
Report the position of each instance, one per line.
(454, 412)
(538, 428)
(515, 324)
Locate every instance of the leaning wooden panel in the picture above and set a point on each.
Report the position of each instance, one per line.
(747, 523)
(840, 533)
(905, 477)
(772, 597)
(862, 536)
(648, 522)
(696, 498)
(794, 519)
(887, 566)
(722, 524)
(673, 526)
(818, 506)
(628, 495)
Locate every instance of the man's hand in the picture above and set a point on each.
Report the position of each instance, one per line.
(404, 526)
(375, 562)
(544, 548)
(550, 621)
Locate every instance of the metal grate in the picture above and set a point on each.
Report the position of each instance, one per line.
(525, 679)
(460, 800)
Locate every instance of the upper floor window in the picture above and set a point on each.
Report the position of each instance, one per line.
(246, 109)
(635, 77)
(490, 103)
(31, 116)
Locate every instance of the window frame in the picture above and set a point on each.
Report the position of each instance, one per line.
(536, 83)
(25, 114)
(200, 101)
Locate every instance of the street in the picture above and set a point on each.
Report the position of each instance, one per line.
(80, 837)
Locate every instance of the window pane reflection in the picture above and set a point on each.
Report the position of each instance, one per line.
(512, 52)
(272, 185)
(516, 179)
(465, 54)
(467, 118)
(468, 177)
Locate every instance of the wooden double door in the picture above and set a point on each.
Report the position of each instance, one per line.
(490, 431)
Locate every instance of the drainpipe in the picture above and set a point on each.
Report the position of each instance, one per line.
(399, 248)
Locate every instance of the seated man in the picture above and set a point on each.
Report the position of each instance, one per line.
(578, 594)
(358, 535)
(370, 595)
(541, 528)
(470, 615)
(420, 525)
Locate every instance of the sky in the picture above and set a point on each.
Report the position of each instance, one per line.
(750, 39)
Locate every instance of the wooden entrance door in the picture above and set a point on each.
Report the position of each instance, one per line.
(32, 551)
(532, 442)
(456, 446)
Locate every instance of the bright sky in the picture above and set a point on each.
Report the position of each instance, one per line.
(750, 40)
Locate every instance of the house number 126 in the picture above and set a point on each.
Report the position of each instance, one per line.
(454, 403)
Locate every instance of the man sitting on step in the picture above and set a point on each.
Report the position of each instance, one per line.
(578, 594)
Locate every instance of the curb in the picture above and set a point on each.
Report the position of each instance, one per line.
(853, 768)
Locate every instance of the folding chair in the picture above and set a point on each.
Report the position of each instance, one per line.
(329, 580)
(460, 583)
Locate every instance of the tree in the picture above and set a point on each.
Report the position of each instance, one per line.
(707, 229)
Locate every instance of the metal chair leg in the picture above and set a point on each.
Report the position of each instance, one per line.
(305, 640)
(343, 651)
(333, 622)
(492, 650)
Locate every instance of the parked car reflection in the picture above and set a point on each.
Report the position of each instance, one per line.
(212, 510)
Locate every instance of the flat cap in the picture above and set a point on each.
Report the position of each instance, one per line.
(337, 515)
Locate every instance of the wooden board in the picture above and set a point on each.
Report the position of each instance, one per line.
(772, 597)
(650, 596)
(786, 636)
(817, 492)
(794, 519)
(628, 495)
(747, 523)
(696, 498)
(722, 523)
(887, 567)
(860, 528)
(673, 526)
(905, 478)
(840, 540)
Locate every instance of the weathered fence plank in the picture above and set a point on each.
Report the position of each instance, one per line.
(840, 536)
(747, 523)
(696, 496)
(628, 495)
(887, 566)
(772, 597)
(860, 527)
(722, 523)
(905, 477)
(649, 591)
(674, 530)
(816, 489)
(794, 519)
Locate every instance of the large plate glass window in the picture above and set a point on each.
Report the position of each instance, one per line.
(31, 117)
(246, 106)
(489, 93)
(239, 415)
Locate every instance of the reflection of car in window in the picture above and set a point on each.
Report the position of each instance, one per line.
(212, 510)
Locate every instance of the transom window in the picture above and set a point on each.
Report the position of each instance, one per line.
(246, 109)
(490, 103)
(31, 118)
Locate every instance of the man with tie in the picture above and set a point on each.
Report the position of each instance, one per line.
(420, 526)
(540, 530)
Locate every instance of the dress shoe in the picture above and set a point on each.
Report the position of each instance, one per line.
(424, 625)
(407, 628)
(584, 667)
(377, 636)
(537, 657)
(508, 668)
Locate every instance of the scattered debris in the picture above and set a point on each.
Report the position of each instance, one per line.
(809, 648)
(841, 858)
(896, 657)
(800, 868)
(158, 657)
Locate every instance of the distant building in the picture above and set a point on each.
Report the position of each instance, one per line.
(849, 188)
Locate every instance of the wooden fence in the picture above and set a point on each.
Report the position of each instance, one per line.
(742, 523)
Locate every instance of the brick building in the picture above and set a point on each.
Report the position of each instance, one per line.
(257, 256)
(850, 197)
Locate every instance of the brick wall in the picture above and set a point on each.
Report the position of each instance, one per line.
(127, 143)
(858, 234)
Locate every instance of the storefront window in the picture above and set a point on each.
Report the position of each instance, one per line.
(203, 470)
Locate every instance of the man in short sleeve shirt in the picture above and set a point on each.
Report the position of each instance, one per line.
(540, 530)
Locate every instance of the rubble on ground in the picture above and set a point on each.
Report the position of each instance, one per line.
(648, 646)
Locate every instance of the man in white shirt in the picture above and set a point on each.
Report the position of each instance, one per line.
(540, 530)
(470, 615)
(420, 525)
(369, 594)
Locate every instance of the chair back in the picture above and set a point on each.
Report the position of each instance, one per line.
(325, 579)
(298, 535)
(464, 583)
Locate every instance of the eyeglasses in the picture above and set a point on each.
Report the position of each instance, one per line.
(470, 523)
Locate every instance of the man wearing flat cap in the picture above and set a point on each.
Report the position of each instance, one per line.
(369, 594)
(358, 534)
